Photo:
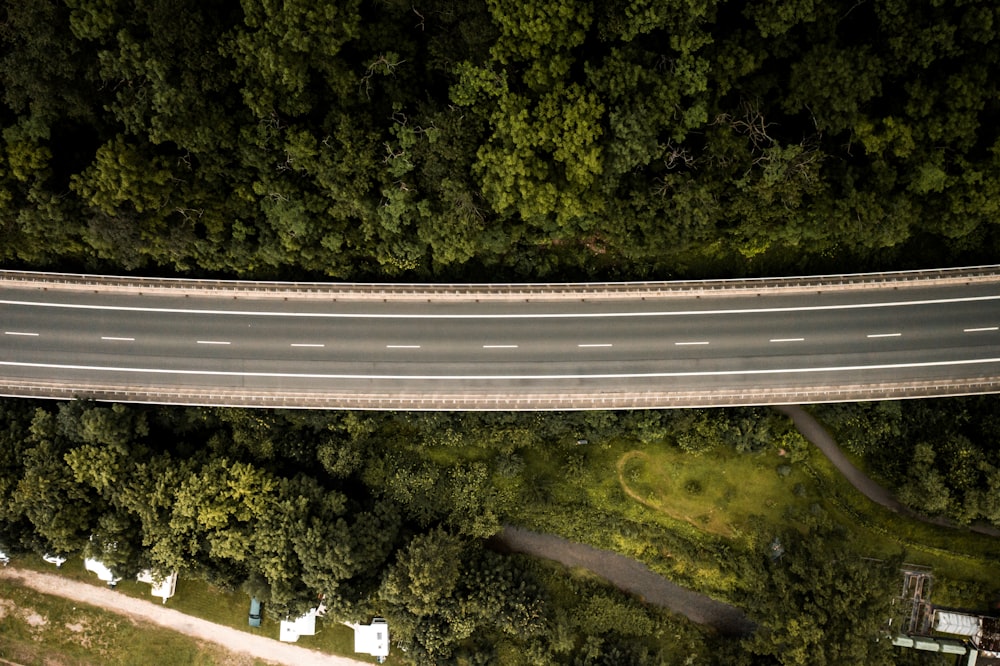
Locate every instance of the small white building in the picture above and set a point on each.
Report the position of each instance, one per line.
(104, 573)
(372, 638)
(301, 626)
(164, 587)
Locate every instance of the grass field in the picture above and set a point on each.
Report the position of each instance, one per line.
(40, 629)
(711, 491)
(197, 598)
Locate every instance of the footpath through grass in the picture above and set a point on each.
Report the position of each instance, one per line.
(37, 628)
(208, 602)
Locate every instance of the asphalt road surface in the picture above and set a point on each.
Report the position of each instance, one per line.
(571, 351)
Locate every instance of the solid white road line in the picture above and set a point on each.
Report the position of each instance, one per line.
(626, 375)
(981, 329)
(31, 335)
(884, 335)
(117, 339)
(602, 344)
(513, 315)
(213, 342)
(696, 342)
(787, 339)
(307, 344)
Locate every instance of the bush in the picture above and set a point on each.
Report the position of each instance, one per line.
(693, 487)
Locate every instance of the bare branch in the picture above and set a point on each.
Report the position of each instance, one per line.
(381, 65)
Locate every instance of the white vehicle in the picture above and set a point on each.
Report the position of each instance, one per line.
(102, 571)
(57, 560)
(4, 560)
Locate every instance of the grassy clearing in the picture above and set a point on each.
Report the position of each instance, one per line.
(208, 602)
(42, 629)
(710, 491)
(681, 513)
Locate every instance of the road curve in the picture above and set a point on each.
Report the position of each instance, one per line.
(501, 347)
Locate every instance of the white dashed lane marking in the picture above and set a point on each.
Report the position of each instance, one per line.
(981, 329)
(213, 342)
(884, 335)
(112, 338)
(787, 339)
(30, 335)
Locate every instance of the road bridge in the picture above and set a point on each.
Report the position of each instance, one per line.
(501, 346)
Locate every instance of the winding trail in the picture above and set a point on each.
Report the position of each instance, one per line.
(817, 434)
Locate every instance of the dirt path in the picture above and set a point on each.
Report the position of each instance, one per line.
(817, 434)
(631, 576)
(139, 609)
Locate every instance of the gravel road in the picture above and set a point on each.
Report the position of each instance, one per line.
(231, 639)
(631, 576)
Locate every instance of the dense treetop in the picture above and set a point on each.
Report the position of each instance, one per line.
(442, 139)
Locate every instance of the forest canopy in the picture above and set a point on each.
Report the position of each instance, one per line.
(447, 139)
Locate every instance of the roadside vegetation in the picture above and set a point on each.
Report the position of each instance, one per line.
(391, 514)
(938, 462)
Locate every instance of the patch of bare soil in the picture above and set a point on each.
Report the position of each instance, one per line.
(33, 619)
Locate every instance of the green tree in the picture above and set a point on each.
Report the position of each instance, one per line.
(421, 593)
(280, 46)
(540, 35)
(217, 508)
(61, 511)
(821, 603)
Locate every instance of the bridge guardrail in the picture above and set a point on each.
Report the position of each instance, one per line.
(494, 291)
(531, 402)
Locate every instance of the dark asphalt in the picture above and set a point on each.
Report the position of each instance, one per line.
(728, 342)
